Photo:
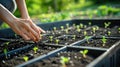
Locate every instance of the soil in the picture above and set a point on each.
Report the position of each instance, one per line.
(99, 43)
(11, 61)
(76, 59)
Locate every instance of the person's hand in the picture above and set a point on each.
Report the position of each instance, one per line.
(27, 29)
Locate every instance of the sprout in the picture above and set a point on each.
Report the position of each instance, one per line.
(66, 31)
(78, 30)
(107, 24)
(51, 38)
(35, 49)
(89, 23)
(77, 27)
(104, 40)
(74, 37)
(84, 52)
(62, 28)
(5, 52)
(93, 29)
(54, 28)
(15, 35)
(41, 36)
(97, 28)
(57, 41)
(81, 25)
(85, 33)
(7, 43)
(25, 58)
(67, 25)
(109, 33)
(64, 60)
(87, 38)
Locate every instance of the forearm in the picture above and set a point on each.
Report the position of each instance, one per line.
(6, 15)
(22, 8)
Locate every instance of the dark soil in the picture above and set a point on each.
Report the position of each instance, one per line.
(76, 59)
(99, 43)
(11, 61)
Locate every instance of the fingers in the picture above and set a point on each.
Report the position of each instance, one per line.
(27, 29)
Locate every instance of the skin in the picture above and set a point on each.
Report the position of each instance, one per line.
(22, 26)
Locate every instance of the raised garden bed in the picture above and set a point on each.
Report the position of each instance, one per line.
(99, 36)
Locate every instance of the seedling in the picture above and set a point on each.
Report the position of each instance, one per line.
(97, 28)
(87, 38)
(85, 33)
(104, 40)
(64, 60)
(51, 38)
(62, 28)
(78, 30)
(109, 33)
(93, 29)
(5, 52)
(25, 58)
(81, 25)
(7, 43)
(89, 23)
(35, 49)
(107, 24)
(67, 25)
(15, 35)
(77, 27)
(57, 41)
(54, 28)
(74, 37)
(84, 53)
(66, 31)
(41, 36)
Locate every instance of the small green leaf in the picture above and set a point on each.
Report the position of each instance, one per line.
(25, 58)
(64, 59)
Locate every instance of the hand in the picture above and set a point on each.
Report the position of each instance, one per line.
(27, 29)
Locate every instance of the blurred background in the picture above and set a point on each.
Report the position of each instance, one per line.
(43, 11)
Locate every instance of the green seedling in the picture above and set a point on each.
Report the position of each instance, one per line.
(104, 40)
(54, 28)
(15, 35)
(57, 41)
(77, 27)
(97, 28)
(25, 58)
(5, 52)
(90, 23)
(41, 35)
(51, 38)
(62, 28)
(67, 25)
(109, 33)
(93, 29)
(81, 25)
(85, 33)
(35, 49)
(84, 53)
(7, 43)
(64, 61)
(87, 39)
(78, 30)
(107, 24)
(74, 37)
(66, 31)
